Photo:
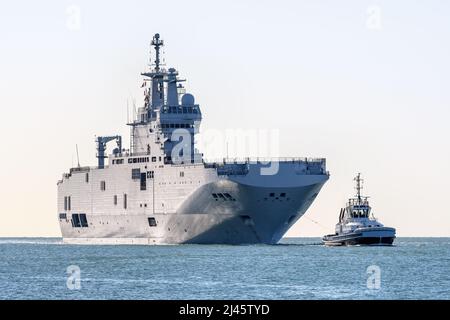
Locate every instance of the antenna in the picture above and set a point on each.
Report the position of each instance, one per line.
(78, 157)
(358, 185)
(128, 112)
(227, 149)
(157, 43)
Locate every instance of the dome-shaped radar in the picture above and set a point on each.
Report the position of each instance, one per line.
(187, 99)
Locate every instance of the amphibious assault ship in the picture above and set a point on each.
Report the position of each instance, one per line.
(162, 191)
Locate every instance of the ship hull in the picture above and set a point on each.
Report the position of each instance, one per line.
(378, 236)
(226, 210)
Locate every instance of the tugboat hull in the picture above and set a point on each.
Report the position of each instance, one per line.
(378, 236)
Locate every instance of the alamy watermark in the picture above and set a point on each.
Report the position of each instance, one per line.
(374, 277)
(73, 17)
(233, 145)
(373, 18)
(73, 281)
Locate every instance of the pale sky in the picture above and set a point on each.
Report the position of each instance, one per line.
(365, 84)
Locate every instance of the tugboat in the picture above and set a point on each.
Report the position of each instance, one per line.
(357, 226)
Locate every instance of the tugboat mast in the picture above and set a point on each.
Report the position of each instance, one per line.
(358, 186)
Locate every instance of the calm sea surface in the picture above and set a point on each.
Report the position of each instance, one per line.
(298, 268)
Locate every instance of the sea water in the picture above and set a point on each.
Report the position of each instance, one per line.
(297, 268)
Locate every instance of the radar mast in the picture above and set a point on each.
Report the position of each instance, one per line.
(359, 186)
(157, 43)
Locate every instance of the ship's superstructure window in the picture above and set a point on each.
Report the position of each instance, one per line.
(153, 159)
(115, 199)
(79, 220)
(138, 160)
(135, 174)
(83, 220)
(152, 222)
(76, 221)
(179, 110)
(67, 203)
(125, 204)
(150, 174)
(62, 216)
(87, 177)
(143, 181)
(182, 174)
(177, 125)
(117, 161)
(102, 185)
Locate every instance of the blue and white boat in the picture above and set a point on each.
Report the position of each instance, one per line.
(358, 226)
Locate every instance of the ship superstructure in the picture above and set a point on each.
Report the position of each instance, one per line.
(162, 191)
